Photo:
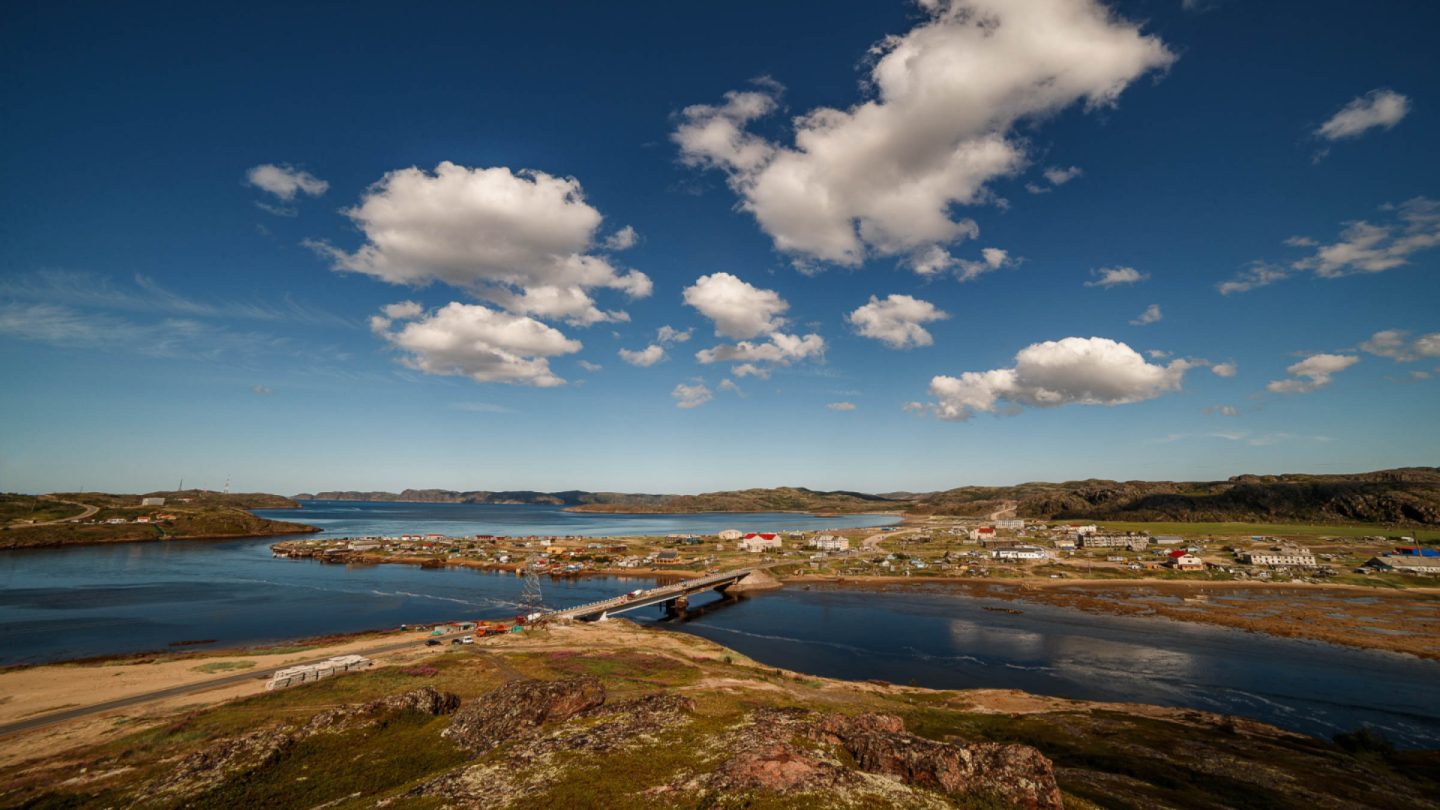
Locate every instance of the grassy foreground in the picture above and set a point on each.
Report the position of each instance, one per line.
(1105, 755)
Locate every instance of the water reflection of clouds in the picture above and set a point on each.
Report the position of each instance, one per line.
(1082, 656)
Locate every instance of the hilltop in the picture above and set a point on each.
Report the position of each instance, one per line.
(83, 518)
(782, 499)
(519, 497)
(1408, 496)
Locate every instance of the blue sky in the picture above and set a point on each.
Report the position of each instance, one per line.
(359, 247)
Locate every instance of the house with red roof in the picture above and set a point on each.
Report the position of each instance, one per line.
(760, 542)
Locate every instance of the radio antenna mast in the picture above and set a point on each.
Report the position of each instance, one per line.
(227, 483)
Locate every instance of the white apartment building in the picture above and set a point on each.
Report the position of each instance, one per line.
(829, 542)
(1306, 559)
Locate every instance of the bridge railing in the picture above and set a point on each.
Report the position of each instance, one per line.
(653, 592)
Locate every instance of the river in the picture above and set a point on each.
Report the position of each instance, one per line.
(71, 602)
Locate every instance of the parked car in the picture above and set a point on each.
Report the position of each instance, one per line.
(432, 643)
(468, 640)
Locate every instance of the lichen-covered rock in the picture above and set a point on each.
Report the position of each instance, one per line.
(425, 700)
(208, 768)
(764, 757)
(525, 768)
(500, 715)
(1017, 773)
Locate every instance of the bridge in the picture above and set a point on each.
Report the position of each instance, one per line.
(672, 596)
(678, 595)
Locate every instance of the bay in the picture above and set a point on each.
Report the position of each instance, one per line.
(101, 600)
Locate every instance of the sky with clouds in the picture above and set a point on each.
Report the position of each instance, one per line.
(882, 246)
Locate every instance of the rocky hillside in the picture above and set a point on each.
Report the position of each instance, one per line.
(197, 498)
(181, 521)
(783, 499)
(621, 717)
(1409, 496)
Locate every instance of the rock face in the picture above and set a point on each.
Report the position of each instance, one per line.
(230, 757)
(767, 758)
(524, 769)
(519, 706)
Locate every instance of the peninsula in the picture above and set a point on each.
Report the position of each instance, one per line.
(95, 518)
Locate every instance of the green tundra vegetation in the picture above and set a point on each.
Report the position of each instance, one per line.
(30, 509)
(1104, 756)
(190, 521)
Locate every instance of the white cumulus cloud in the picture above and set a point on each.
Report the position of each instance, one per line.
(882, 177)
(691, 396)
(668, 335)
(588, 366)
(1150, 315)
(285, 181)
(1312, 374)
(1223, 410)
(780, 350)
(1073, 371)
(645, 358)
(1224, 369)
(475, 341)
(262, 391)
(841, 406)
(896, 321)
(1397, 345)
(738, 309)
(1377, 108)
(1059, 177)
(1110, 276)
(623, 239)
(1367, 248)
(522, 240)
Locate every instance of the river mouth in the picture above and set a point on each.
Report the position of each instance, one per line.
(950, 640)
(72, 603)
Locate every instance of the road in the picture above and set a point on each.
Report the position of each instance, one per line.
(89, 512)
(201, 686)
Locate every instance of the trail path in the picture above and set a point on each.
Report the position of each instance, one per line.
(1008, 509)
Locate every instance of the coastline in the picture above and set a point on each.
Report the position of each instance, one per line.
(302, 530)
(1419, 608)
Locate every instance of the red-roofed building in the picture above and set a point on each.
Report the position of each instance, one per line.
(760, 542)
(1185, 561)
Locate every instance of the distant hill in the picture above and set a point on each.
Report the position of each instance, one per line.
(1409, 496)
(783, 499)
(568, 498)
(198, 497)
(1403, 496)
(206, 515)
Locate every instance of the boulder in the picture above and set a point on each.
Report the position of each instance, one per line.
(501, 714)
(766, 758)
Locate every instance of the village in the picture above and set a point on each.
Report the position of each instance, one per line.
(928, 548)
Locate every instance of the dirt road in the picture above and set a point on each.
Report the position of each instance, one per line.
(185, 689)
(1007, 512)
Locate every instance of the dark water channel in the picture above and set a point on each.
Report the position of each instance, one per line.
(66, 603)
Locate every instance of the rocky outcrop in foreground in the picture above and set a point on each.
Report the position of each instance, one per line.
(235, 756)
(519, 706)
(778, 751)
